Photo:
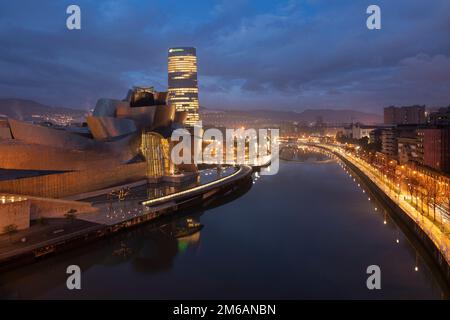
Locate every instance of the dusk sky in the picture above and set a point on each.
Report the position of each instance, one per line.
(285, 55)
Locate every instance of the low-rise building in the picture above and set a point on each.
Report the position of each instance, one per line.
(389, 142)
(360, 130)
(441, 117)
(435, 147)
(375, 136)
(407, 150)
(357, 130)
(407, 141)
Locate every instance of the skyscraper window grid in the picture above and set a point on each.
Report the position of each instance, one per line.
(182, 82)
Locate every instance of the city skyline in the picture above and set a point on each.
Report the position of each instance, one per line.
(225, 158)
(285, 55)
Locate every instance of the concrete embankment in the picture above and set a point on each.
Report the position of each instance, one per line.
(430, 251)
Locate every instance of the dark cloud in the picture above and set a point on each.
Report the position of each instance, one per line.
(264, 54)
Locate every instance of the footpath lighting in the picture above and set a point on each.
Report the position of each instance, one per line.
(422, 194)
(188, 191)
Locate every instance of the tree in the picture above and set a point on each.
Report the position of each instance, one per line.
(41, 221)
(10, 230)
(364, 143)
(71, 215)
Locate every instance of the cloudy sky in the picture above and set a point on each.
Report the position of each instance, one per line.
(264, 54)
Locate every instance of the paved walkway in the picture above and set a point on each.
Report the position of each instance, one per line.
(111, 212)
(38, 235)
(438, 236)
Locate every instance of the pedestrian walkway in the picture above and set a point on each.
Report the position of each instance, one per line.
(438, 235)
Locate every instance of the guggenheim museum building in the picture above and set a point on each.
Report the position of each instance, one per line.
(120, 142)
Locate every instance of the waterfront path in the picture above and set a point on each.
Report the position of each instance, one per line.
(114, 212)
(147, 200)
(43, 234)
(437, 234)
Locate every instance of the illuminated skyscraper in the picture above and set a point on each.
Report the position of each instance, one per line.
(183, 88)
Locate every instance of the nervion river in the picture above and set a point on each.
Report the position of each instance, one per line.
(308, 232)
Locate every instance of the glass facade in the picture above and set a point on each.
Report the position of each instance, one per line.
(156, 152)
(183, 86)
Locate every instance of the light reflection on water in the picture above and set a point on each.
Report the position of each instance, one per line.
(308, 232)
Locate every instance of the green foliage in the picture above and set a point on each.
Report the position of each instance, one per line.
(10, 230)
(71, 214)
(41, 221)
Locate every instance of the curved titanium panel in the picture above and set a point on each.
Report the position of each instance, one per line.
(180, 117)
(164, 116)
(37, 134)
(142, 116)
(107, 107)
(107, 127)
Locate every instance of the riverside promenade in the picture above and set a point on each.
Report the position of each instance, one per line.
(143, 205)
(434, 237)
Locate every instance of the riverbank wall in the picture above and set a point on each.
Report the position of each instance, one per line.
(415, 230)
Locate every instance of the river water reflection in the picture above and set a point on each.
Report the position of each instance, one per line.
(307, 232)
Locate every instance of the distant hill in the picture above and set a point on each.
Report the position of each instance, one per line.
(341, 116)
(23, 109)
(309, 115)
